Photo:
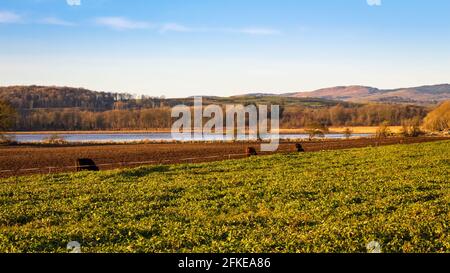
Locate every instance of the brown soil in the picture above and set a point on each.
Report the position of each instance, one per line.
(25, 160)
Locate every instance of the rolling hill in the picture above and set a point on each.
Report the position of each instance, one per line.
(52, 97)
(430, 94)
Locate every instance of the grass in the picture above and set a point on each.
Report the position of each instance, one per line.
(335, 201)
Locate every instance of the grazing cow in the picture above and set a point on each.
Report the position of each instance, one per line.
(299, 147)
(86, 164)
(251, 151)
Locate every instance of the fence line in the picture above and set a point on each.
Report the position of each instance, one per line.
(173, 161)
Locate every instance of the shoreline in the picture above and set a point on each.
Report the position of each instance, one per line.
(332, 130)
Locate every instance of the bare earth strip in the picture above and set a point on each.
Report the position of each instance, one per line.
(25, 160)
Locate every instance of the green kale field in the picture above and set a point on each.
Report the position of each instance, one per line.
(334, 201)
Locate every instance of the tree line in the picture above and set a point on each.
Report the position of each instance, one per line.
(64, 108)
(47, 97)
(152, 118)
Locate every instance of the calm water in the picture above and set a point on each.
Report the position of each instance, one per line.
(134, 137)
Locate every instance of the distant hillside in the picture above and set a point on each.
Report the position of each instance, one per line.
(63, 108)
(417, 95)
(36, 97)
(51, 97)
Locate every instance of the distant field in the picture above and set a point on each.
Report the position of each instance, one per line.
(333, 201)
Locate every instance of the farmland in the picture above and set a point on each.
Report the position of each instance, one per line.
(36, 159)
(330, 201)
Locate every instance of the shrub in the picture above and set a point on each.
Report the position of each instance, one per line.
(438, 120)
(384, 130)
(316, 130)
(7, 140)
(348, 133)
(54, 139)
(411, 128)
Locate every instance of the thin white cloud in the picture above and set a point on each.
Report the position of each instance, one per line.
(7, 17)
(121, 23)
(73, 2)
(258, 31)
(374, 2)
(172, 27)
(56, 22)
(175, 28)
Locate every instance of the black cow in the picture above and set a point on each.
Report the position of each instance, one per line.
(251, 151)
(86, 164)
(299, 148)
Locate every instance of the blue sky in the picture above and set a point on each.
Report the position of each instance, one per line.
(180, 48)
